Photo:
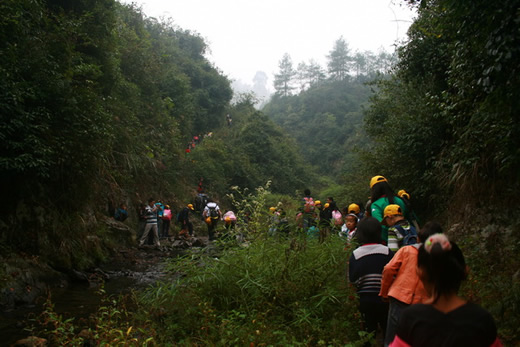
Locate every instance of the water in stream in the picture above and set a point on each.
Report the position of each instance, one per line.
(79, 300)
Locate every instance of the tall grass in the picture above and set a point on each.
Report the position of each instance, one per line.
(275, 291)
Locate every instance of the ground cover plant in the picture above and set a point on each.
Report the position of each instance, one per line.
(275, 291)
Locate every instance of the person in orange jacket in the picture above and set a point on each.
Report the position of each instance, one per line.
(400, 283)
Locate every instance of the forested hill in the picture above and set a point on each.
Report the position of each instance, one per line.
(98, 103)
(326, 121)
(322, 108)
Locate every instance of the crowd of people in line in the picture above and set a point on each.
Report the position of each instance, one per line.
(195, 140)
(407, 278)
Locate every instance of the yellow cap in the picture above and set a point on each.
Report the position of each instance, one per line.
(326, 205)
(317, 202)
(402, 193)
(377, 179)
(353, 208)
(272, 209)
(392, 210)
(190, 206)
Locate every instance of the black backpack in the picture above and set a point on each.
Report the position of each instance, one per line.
(213, 213)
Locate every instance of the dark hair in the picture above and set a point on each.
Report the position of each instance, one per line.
(382, 189)
(150, 200)
(444, 269)
(369, 231)
(307, 192)
(428, 230)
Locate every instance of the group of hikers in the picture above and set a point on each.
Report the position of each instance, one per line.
(195, 140)
(407, 278)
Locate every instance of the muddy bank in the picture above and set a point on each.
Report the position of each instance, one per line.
(74, 294)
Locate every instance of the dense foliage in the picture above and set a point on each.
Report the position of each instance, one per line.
(450, 111)
(249, 153)
(275, 293)
(446, 127)
(326, 122)
(100, 113)
(97, 103)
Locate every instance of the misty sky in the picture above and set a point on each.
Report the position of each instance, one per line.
(246, 36)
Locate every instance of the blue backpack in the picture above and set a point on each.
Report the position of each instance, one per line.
(409, 236)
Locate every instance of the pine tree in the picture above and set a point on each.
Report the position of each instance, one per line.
(283, 81)
(339, 60)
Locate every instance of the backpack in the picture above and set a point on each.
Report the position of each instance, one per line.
(213, 213)
(167, 214)
(409, 236)
(201, 201)
(309, 205)
(338, 218)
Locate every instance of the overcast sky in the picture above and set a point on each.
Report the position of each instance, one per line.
(246, 36)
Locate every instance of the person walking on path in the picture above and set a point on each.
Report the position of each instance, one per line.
(211, 214)
(382, 196)
(365, 268)
(166, 221)
(151, 223)
(184, 219)
(447, 319)
(400, 284)
(400, 231)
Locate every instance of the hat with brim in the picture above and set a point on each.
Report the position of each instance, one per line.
(391, 210)
(377, 179)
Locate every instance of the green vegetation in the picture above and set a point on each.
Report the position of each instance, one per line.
(272, 292)
(102, 108)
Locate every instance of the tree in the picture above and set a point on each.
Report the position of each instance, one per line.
(315, 73)
(302, 74)
(283, 81)
(339, 60)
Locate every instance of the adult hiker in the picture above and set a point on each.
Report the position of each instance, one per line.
(160, 210)
(201, 200)
(150, 215)
(365, 268)
(400, 284)
(184, 219)
(211, 215)
(448, 319)
(229, 120)
(382, 196)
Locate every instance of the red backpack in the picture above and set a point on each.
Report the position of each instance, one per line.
(167, 214)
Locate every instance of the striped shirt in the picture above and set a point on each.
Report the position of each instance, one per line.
(366, 266)
(150, 215)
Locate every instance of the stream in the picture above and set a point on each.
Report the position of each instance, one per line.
(130, 270)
